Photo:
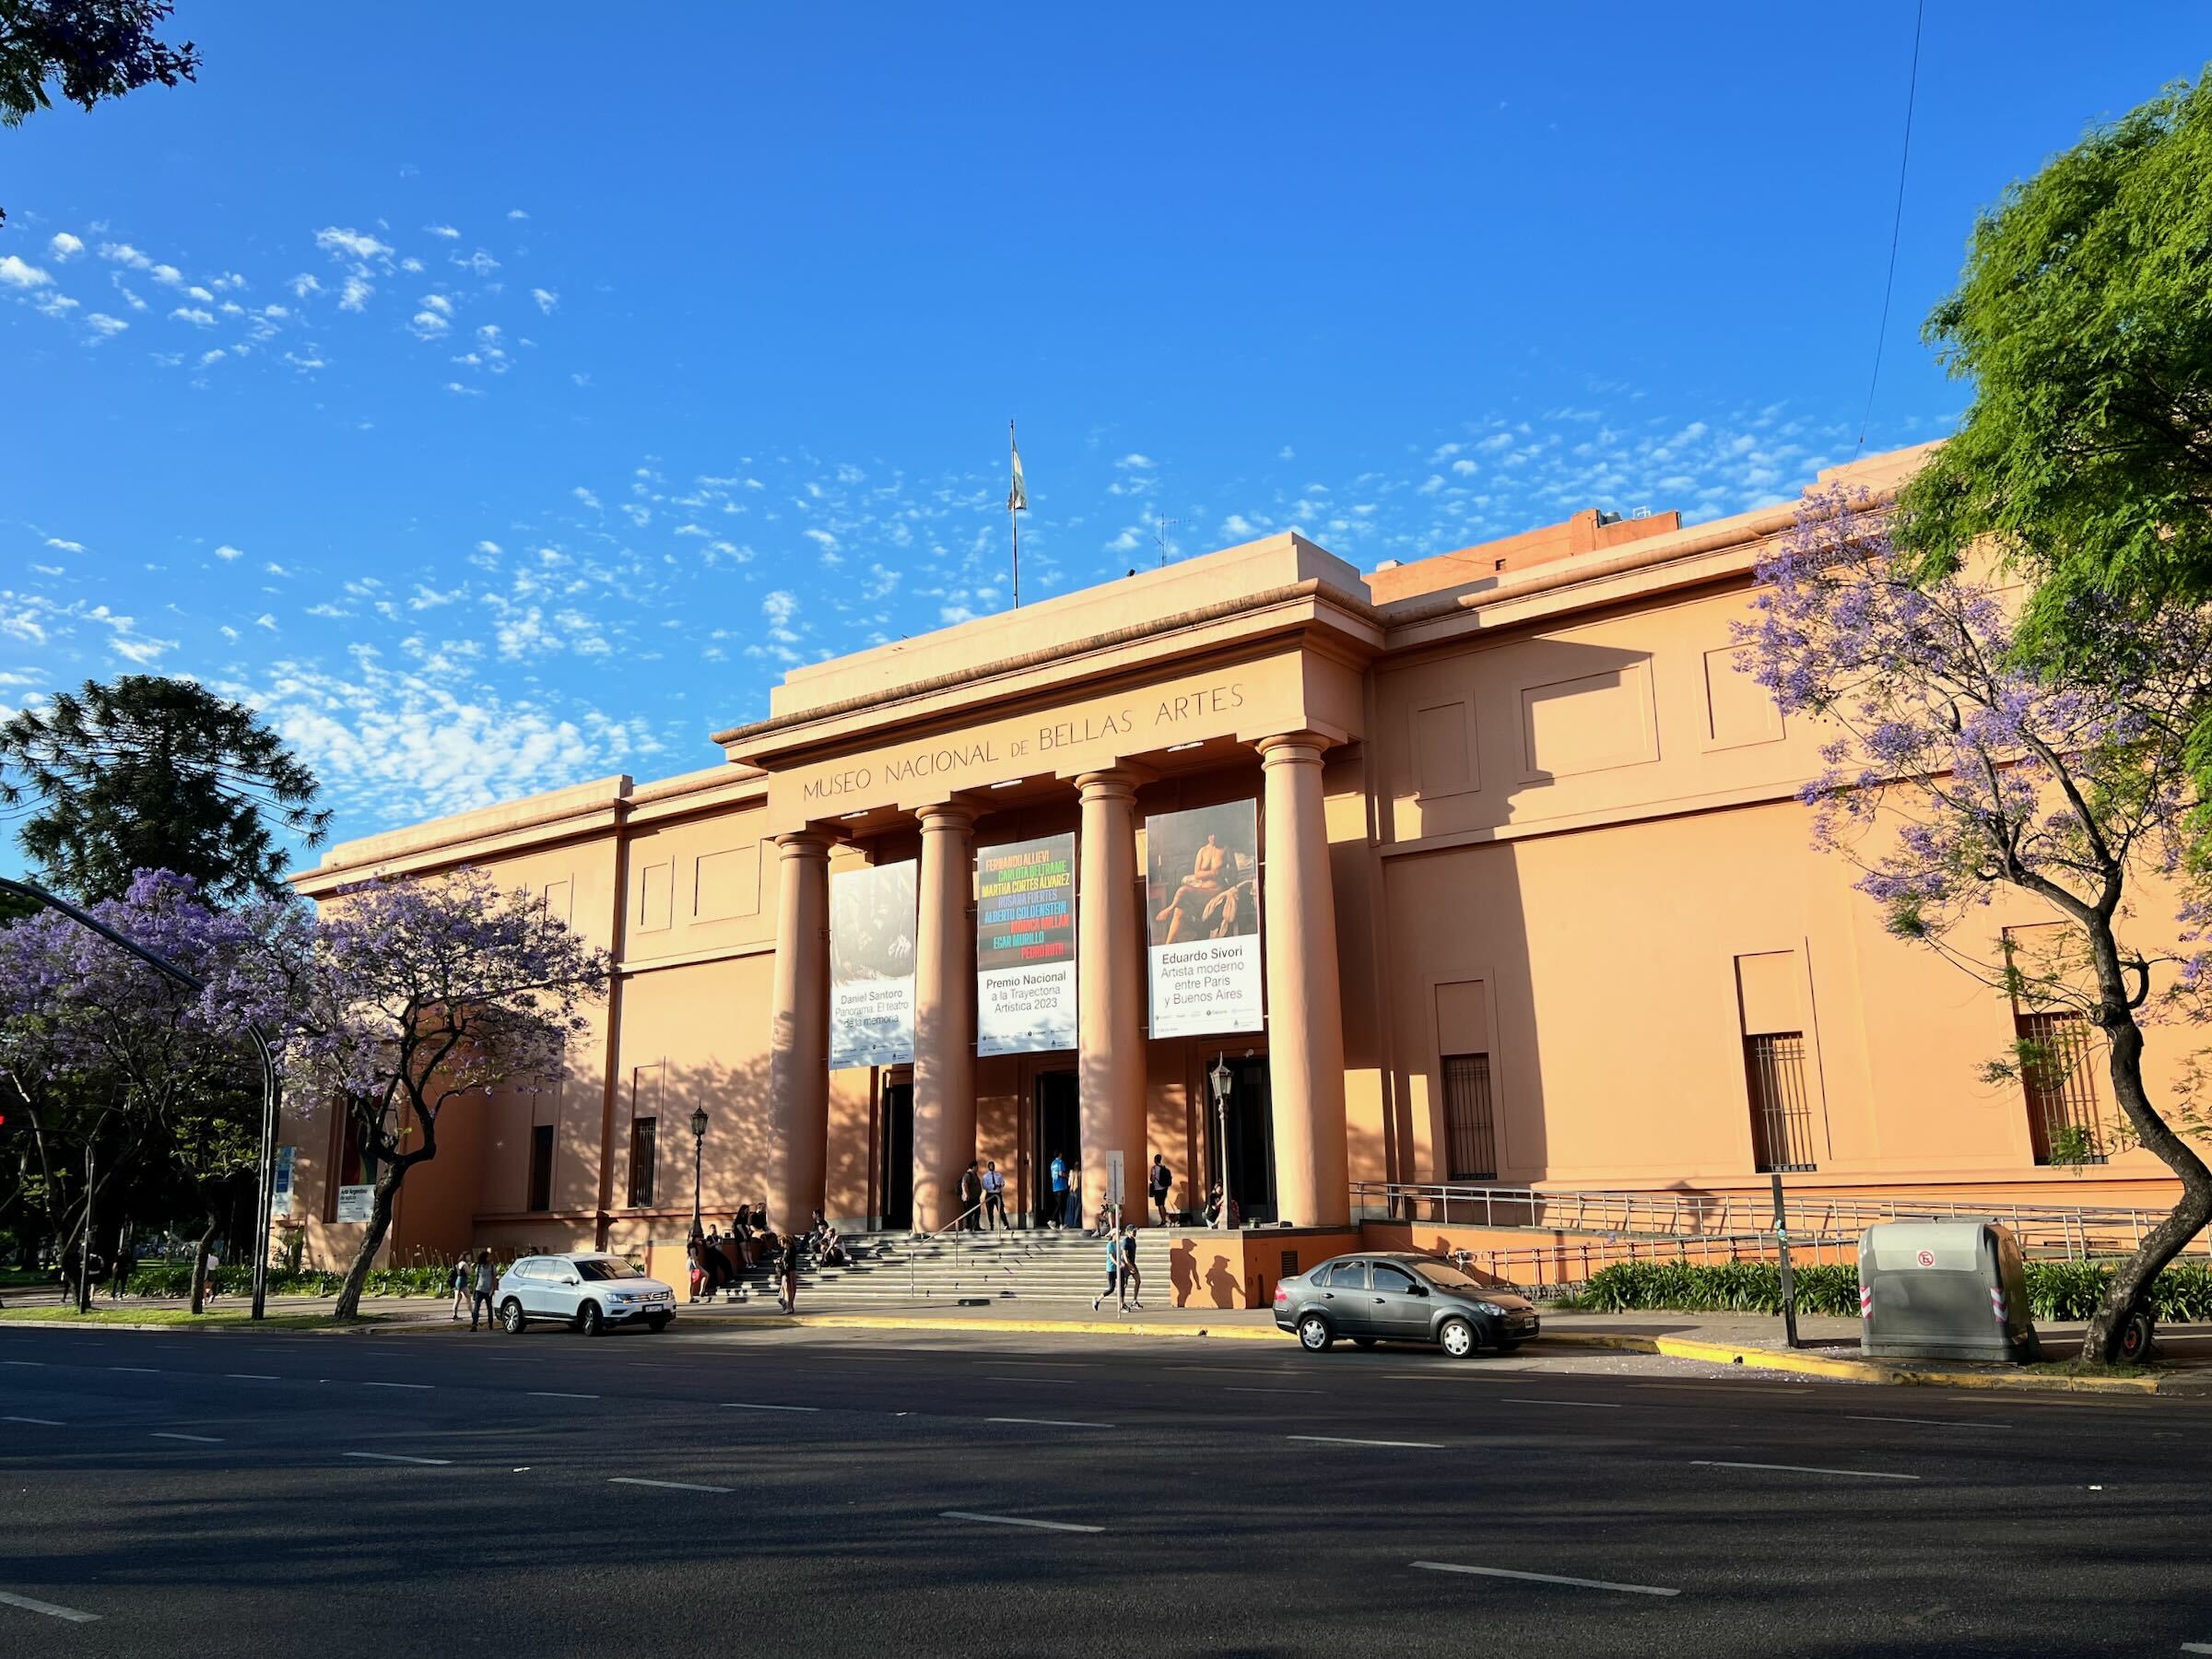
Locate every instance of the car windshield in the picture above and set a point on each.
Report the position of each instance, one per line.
(1449, 1278)
(600, 1268)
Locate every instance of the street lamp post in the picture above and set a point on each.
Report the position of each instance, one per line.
(161, 964)
(1220, 1079)
(698, 1151)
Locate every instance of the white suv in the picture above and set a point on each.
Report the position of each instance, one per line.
(586, 1289)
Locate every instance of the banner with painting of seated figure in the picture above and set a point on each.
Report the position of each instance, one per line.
(1203, 903)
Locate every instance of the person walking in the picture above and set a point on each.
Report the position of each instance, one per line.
(971, 1198)
(126, 1263)
(789, 1264)
(1133, 1281)
(1158, 1184)
(697, 1250)
(457, 1282)
(1071, 1216)
(995, 1199)
(1113, 1273)
(1057, 1214)
(484, 1283)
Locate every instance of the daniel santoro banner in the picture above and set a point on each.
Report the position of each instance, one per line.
(1203, 893)
(871, 966)
(1025, 947)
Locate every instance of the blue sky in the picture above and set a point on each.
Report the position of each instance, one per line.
(501, 396)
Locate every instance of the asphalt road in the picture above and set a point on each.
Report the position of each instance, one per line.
(757, 1494)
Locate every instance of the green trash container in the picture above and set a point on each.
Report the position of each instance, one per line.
(1943, 1291)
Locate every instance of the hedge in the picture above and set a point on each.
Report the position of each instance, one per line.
(174, 1279)
(2056, 1291)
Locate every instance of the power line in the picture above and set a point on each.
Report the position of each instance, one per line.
(1896, 223)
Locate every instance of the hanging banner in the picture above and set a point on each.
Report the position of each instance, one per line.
(1202, 882)
(872, 965)
(1025, 947)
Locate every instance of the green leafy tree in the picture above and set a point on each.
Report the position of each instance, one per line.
(2084, 320)
(89, 49)
(151, 773)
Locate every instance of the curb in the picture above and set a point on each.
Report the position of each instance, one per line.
(1086, 1327)
(1858, 1371)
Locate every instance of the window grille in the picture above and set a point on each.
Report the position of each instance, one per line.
(2056, 1056)
(1470, 1129)
(1782, 1111)
(641, 1160)
(541, 1167)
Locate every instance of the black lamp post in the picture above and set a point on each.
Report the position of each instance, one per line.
(699, 1150)
(1219, 1077)
(39, 895)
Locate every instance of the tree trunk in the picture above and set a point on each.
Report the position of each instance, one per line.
(379, 1223)
(84, 1243)
(2131, 1285)
(199, 1264)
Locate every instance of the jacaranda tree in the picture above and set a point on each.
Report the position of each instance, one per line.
(411, 996)
(1954, 773)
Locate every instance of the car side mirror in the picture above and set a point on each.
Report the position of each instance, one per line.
(1420, 1289)
(571, 1281)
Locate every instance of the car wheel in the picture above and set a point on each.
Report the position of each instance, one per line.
(589, 1320)
(1458, 1337)
(658, 1322)
(510, 1317)
(1363, 1342)
(1314, 1334)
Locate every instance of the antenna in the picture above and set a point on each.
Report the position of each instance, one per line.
(1160, 538)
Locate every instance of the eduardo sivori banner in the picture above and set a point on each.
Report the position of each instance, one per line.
(1025, 947)
(872, 965)
(1202, 896)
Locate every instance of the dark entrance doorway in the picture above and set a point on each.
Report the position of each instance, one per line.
(1059, 1130)
(899, 1157)
(1250, 1138)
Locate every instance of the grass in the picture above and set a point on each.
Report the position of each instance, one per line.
(183, 1318)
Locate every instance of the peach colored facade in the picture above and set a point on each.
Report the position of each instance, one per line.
(1537, 906)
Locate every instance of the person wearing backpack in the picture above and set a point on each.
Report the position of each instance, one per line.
(971, 1198)
(1158, 1184)
(1053, 1217)
(457, 1282)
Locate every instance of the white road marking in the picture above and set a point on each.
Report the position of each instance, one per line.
(1934, 1422)
(2196, 1647)
(441, 1463)
(1591, 1405)
(674, 1486)
(42, 1422)
(38, 1362)
(1016, 1520)
(205, 1440)
(1252, 1388)
(144, 1370)
(1708, 1463)
(1339, 1439)
(547, 1394)
(749, 1406)
(252, 1377)
(1051, 1364)
(30, 1604)
(399, 1385)
(1049, 1422)
(1546, 1578)
(1054, 1382)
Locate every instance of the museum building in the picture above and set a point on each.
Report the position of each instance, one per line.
(1483, 869)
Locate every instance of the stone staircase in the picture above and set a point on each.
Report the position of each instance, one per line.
(1047, 1268)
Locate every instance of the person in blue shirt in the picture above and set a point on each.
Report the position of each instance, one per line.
(1052, 1216)
(1113, 1273)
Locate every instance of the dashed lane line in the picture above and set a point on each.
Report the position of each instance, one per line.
(751, 1406)
(143, 1370)
(32, 1605)
(1067, 1526)
(37, 1362)
(547, 1393)
(1711, 1462)
(1341, 1440)
(252, 1377)
(674, 1486)
(399, 1385)
(437, 1462)
(1933, 1422)
(205, 1440)
(42, 1422)
(1250, 1388)
(1589, 1405)
(1546, 1578)
(1049, 1422)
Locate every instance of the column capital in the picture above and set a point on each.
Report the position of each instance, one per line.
(1111, 782)
(941, 815)
(804, 843)
(1290, 749)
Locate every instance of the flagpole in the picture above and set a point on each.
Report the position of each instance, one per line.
(1013, 521)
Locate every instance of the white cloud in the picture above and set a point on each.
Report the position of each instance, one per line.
(491, 547)
(229, 553)
(265, 620)
(122, 253)
(14, 273)
(546, 299)
(66, 547)
(516, 213)
(445, 231)
(479, 263)
(353, 244)
(438, 303)
(461, 391)
(354, 296)
(64, 247)
(427, 324)
(193, 315)
(1136, 462)
(586, 497)
(125, 641)
(303, 284)
(208, 358)
(168, 275)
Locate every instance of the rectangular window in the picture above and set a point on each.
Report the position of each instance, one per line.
(2062, 1099)
(541, 1167)
(1782, 1113)
(640, 1160)
(1471, 1145)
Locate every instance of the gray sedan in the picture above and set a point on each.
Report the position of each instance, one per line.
(1396, 1296)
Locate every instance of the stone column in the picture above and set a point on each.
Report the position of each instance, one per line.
(1110, 981)
(1305, 1009)
(944, 1015)
(798, 1042)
